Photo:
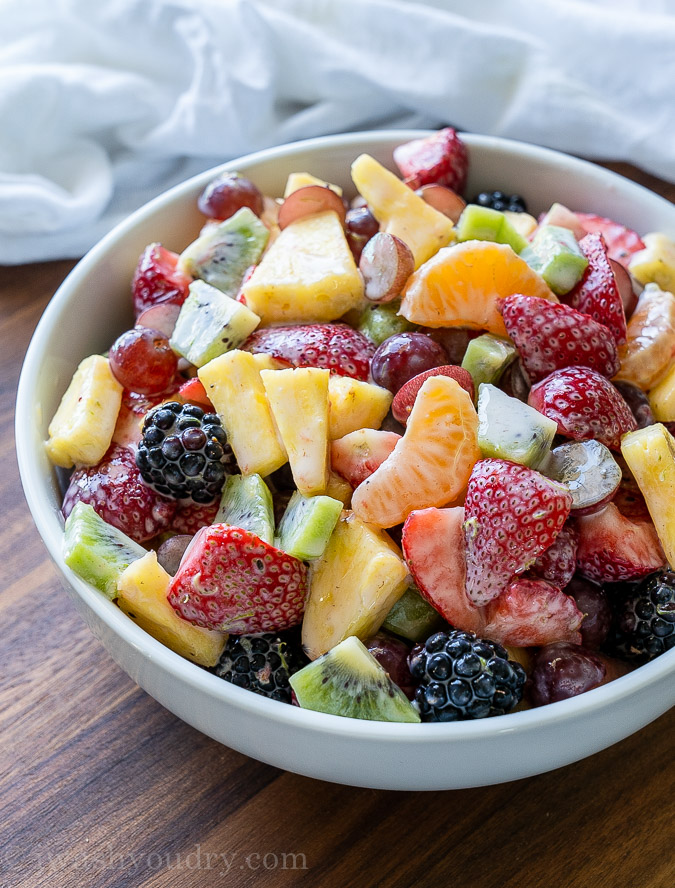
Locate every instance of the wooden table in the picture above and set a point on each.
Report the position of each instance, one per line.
(103, 787)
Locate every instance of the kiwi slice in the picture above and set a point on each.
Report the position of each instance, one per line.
(556, 256)
(349, 681)
(224, 252)
(484, 223)
(510, 429)
(412, 617)
(96, 551)
(307, 525)
(487, 357)
(379, 322)
(246, 502)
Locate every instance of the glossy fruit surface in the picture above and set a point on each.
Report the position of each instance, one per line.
(142, 360)
(228, 193)
(403, 356)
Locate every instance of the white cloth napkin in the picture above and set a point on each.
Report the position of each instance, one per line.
(103, 105)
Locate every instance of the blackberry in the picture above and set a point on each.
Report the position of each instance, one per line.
(497, 200)
(461, 676)
(262, 663)
(184, 453)
(644, 619)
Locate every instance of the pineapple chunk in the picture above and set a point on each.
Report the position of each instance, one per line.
(650, 454)
(299, 401)
(400, 211)
(353, 586)
(650, 340)
(232, 382)
(339, 489)
(662, 397)
(308, 274)
(141, 594)
(355, 405)
(83, 426)
(301, 180)
(523, 223)
(656, 263)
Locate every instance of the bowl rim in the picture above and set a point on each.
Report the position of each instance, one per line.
(199, 678)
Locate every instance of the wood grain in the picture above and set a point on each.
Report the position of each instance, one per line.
(100, 786)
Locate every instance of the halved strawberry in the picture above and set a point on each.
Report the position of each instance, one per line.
(156, 280)
(551, 336)
(336, 347)
(621, 242)
(193, 391)
(405, 397)
(132, 412)
(440, 158)
(433, 546)
(357, 455)
(614, 548)
(231, 580)
(191, 517)
(533, 612)
(558, 563)
(597, 293)
(512, 515)
(584, 404)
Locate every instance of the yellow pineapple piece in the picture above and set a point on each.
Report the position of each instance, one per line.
(141, 594)
(302, 180)
(339, 489)
(400, 211)
(83, 426)
(656, 263)
(662, 397)
(353, 586)
(523, 223)
(299, 401)
(232, 382)
(650, 454)
(308, 274)
(650, 340)
(355, 405)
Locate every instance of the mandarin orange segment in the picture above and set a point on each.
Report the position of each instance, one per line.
(460, 286)
(431, 464)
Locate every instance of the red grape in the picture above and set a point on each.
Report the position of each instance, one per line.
(566, 670)
(386, 263)
(142, 360)
(171, 551)
(309, 200)
(592, 601)
(228, 193)
(403, 356)
(360, 226)
(392, 654)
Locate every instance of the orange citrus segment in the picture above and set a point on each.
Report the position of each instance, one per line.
(431, 464)
(460, 286)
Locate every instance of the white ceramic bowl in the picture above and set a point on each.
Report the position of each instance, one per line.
(92, 307)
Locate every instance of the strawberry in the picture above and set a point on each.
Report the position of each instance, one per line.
(440, 159)
(584, 404)
(551, 336)
(133, 409)
(193, 391)
(191, 517)
(621, 242)
(433, 546)
(357, 455)
(116, 490)
(597, 293)
(231, 580)
(558, 563)
(156, 279)
(533, 612)
(341, 349)
(512, 515)
(405, 397)
(613, 548)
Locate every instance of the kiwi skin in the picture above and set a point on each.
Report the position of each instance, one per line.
(348, 681)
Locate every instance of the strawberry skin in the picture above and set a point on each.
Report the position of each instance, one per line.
(533, 612)
(584, 404)
(191, 517)
(405, 397)
(231, 580)
(621, 242)
(156, 280)
(551, 336)
(613, 548)
(440, 159)
(512, 515)
(336, 347)
(597, 293)
(558, 563)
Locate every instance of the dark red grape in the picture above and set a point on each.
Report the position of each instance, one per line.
(566, 670)
(514, 382)
(594, 604)
(142, 360)
(392, 654)
(171, 551)
(403, 356)
(455, 340)
(360, 226)
(638, 403)
(228, 193)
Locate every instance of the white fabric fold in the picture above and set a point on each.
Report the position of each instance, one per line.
(104, 105)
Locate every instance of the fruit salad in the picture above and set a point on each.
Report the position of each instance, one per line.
(402, 454)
